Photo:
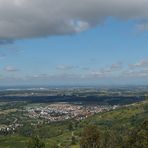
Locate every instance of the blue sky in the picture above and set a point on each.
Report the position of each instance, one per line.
(114, 52)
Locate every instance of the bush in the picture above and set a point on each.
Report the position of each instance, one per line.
(35, 142)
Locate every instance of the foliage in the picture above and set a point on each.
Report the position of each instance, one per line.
(139, 136)
(73, 140)
(90, 137)
(35, 142)
(135, 138)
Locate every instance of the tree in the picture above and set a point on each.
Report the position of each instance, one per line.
(35, 142)
(90, 137)
(26, 130)
(139, 136)
(70, 126)
(73, 140)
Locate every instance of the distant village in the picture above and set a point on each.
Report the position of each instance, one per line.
(56, 112)
(64, 111)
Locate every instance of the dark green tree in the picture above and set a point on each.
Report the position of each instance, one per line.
(70, 126)
(73, 140)
(138, 137)
(90, 137)
(35, 142)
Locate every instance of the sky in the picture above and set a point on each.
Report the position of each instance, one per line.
(73, 42)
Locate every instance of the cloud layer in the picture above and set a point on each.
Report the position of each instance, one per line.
(116, 73)
(41, 18)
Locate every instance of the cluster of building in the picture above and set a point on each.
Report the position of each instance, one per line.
(9, 129)
(64, 111)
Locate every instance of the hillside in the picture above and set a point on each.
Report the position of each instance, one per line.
(129, 116)
(114, 124)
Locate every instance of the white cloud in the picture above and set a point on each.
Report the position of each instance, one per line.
(142, 63)
(116, 66)
(10, 69)
(135, 73)
(66, 67)
(78, 25)
(108, 71)
(41, 18)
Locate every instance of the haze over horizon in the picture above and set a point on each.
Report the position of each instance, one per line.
(73, 42)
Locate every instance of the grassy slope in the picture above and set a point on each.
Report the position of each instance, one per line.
(129, 117)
